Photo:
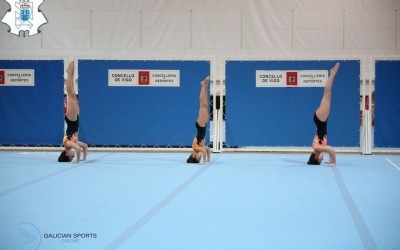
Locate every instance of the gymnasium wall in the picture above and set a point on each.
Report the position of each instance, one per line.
(212, 30)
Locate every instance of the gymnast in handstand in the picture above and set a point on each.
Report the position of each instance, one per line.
(199, 150)
(320, 142)
(71, 143)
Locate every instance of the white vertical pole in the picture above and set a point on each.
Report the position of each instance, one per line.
(366, 121)
(368, 132)
(220, 127)
(369, 124)
(363, 94)
(221, 107)
(216, 119)
(215, 111)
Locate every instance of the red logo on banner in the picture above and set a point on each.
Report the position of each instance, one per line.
(144, 77)
(291, 78)
(2, 77)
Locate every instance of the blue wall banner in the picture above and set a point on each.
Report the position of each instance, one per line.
(31, 102)
(261, 114)
(140, 103)
(387, 104)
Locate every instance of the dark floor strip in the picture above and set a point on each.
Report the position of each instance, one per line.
(361, 226)
(152, 212)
